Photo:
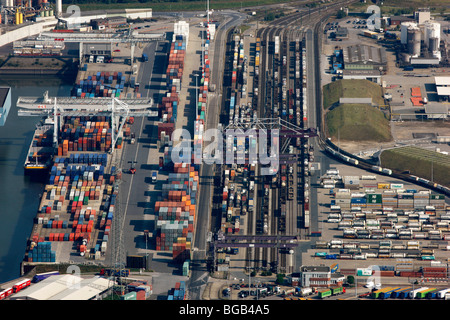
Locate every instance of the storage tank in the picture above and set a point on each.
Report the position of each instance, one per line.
(413, 41)
(431, 29)
(433, 44)
(404, 31)
(58, 8)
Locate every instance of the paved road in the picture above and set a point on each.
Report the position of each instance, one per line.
(132, 204)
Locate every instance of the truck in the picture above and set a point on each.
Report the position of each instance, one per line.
(330, 292)
(41, 276)
(144, 57)
(154, 176)
(303, 292)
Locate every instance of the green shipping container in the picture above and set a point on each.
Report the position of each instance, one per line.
(337, 290)
(129, 296)
(324, 293)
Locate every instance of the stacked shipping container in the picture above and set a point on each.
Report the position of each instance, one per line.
(102, 84)
(174, 74)
(73, 196)
(85, 134)
(176, 215)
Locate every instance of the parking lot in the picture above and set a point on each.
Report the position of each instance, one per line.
(330, 232)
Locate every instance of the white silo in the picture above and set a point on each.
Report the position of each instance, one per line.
(404, 31)
(58, 12)
(432, 30)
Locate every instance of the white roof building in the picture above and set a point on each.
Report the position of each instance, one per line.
(442, 87)
(65, 287)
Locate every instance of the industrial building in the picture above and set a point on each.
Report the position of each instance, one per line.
(341, 33)
(422, 15)
(5, 104)
(103, 49)
(436, 111)
(421, 43)
(442, 88)
(66, 287)
(371, 75)
(398, 20)
(363, 57)
(320, 276)
(106, 23)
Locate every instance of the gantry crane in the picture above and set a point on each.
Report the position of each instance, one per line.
(58, 107)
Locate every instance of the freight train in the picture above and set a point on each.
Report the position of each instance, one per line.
(346, 157)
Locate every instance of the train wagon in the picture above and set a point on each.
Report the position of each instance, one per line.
(21, 285)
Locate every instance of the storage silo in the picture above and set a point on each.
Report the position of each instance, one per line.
(413, 41)
(404, 31)
(432, 30)
(433, 44)
(58, 8)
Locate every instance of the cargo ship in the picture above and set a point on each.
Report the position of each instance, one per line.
(40, 154)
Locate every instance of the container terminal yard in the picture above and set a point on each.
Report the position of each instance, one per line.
(152, 228)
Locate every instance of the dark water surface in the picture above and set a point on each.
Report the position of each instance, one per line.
(19, 194)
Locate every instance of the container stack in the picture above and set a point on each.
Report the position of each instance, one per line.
(374, 201)
(141, 288)
(421, 200)
(41, 252)
(174, 74)
(101, 84)
(178, 292)
(82, 134)
(389, 198)
(405, 200)
(71, 204)
(437, 201)
(343, 199)
(176, 215)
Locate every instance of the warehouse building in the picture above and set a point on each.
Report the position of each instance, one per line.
(341, 33)
(436, 111)
(66, 287)
(442, 88)
(103, 49)
(106, 23)
(397, 20)
(371, 75)
(363, 57)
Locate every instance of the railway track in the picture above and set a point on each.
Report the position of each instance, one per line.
(276, 75)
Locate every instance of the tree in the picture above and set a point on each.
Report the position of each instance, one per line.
(341, 14)
(351, 279)
(280, 279)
